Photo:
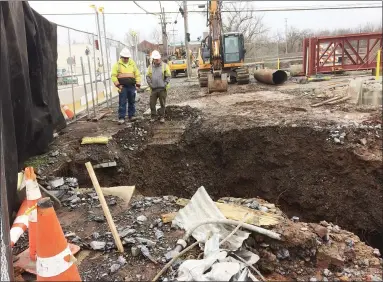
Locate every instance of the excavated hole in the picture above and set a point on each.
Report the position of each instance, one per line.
(292, 167)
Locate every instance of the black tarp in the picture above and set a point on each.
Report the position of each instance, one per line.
(30, 107)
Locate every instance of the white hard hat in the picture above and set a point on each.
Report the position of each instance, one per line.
(125, 53)
(156, 55)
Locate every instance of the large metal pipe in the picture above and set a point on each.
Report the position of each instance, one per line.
(275, 77)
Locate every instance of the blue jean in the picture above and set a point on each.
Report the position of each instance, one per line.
(128, 94)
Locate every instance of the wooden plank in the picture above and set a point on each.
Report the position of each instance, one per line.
(100, 116)
(105, 207)
(236, 212)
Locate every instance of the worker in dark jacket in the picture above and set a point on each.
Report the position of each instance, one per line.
(158, 78)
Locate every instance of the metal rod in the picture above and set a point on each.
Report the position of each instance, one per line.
(86, 94)
(95, 69)
(71, 73)
(91, 86)
(102, 56)
(107, 50)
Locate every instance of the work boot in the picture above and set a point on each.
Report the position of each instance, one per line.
(162, 120)
(133, 118)
(121, 121)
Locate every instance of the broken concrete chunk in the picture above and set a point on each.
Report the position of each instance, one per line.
(97, 245)
(126, 232)
(253, 205)
(264, 209)
(337, 140)
(321, 231)
(283, 254)
(324, 223)
(376, 252)
(329, 255)
(326, 272)
(135, 251)
(295, 218)
(159, 234)
(99, 218)
(146, 253)
(55, 153)
(147, 242)
(363, 141)
(104, 165)
(129, 241)
(114, 267)
(142, 218)
(75, 200)
(57, 182)
(95, 235)
(121, 260)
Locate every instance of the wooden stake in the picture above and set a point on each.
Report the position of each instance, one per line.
(105, 208)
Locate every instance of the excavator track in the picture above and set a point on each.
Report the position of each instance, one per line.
(202, 79)
(243, 76)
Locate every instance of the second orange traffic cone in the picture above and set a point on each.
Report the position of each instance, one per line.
(20, 224)
(55, 261)
(68, 112)
(33, 195)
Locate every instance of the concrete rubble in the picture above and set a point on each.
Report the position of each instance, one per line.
(308, 251)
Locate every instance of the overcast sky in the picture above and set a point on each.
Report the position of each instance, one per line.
(118, 25)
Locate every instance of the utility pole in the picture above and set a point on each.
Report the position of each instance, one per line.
(174, 39)
(286, 33)
(186, 38)
(165, 44)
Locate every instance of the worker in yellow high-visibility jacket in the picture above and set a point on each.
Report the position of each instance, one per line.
(127, 78)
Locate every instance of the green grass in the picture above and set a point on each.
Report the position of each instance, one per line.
(37, 161)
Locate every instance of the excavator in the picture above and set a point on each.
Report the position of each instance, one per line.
(221, 55)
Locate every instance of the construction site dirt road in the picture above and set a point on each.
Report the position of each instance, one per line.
(315, 163)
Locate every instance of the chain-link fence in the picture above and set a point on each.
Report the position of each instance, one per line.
(270, 53)
(84, 64)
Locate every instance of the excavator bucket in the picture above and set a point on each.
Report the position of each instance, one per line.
(217, 84)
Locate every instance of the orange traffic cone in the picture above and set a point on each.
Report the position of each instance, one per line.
(20, 224)
(33, 195)
(55, 261)
(68, 112)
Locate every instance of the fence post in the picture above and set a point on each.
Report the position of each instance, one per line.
(102, 54)
(107, 55)
(71, 72)
(86, 94)
(91, 86)
(95, 69)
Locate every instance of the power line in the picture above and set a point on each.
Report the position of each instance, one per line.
(228, 11)
(143, 8)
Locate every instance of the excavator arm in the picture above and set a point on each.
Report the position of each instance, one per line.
(217, 80)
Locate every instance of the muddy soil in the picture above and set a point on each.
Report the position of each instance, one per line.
(256, 140)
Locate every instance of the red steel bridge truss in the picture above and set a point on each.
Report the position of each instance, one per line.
(336, 53)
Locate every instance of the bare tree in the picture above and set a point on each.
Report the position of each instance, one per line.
(131, 38)
(242, 18)
(89, 38)
(156, 36)
(295, 39)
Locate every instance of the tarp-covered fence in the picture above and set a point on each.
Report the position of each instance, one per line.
(29, 104)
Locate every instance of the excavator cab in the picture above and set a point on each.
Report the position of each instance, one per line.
(233, 48)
